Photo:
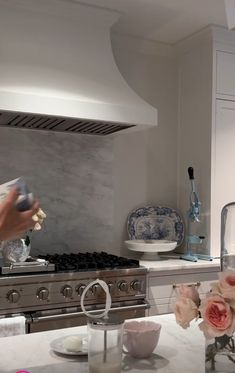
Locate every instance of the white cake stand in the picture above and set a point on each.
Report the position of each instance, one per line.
(151, 248)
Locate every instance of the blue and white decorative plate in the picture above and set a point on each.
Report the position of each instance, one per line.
(155, 223)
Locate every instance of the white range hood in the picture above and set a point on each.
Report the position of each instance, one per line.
(57, 70)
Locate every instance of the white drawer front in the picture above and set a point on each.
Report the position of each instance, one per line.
(164, 286)
(159, 309)
(161, 306)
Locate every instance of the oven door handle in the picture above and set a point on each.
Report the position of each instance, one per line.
(145, 306)
(36, 318)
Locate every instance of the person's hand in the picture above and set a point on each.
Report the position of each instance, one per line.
(13, 224)
(39, 218)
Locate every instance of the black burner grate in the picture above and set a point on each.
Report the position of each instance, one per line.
(89, 261)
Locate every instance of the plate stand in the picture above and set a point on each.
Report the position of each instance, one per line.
(150, 256)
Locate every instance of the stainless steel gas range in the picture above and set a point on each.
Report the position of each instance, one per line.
(47, 291)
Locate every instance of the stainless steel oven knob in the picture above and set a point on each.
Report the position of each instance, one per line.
(13, 296)
(96, 289)
(43, 293)
(136, 285)
(123, 286)
(80, 289)
(111, 287)
(67, 291)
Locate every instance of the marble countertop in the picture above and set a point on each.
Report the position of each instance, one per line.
(175, 264)
(178, 351)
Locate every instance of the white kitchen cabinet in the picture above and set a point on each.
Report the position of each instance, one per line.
(162, 289)
(225, 77)
(223, 188)
(207, 128)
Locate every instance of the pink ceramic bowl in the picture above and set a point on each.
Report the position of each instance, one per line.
(141, 337)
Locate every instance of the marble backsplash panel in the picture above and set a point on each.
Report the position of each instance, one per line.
(71, 174)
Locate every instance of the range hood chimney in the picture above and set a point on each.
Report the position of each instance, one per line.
(58, 71)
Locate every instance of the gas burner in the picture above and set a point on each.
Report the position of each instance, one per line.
(88, 261)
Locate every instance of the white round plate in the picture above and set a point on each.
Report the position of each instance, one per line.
(57, 345)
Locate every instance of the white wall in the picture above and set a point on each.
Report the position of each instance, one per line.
(145, 166)
(194, 147)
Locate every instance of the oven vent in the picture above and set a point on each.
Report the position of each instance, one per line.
(59, 124)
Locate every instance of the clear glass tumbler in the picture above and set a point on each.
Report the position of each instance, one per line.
(105, 345)
(16, 251)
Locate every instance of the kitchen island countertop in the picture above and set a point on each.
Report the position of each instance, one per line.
(178, 351)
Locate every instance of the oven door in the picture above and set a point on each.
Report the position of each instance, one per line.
(74, 316)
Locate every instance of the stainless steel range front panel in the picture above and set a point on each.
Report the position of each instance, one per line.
(58, 290)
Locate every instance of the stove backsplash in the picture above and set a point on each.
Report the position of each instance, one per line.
(72, 177)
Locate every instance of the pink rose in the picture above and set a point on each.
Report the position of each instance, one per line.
(185, 311)
(217, 317)
(189, 292)
(227, 284)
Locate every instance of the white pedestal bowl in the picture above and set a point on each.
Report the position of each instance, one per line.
(151, 248)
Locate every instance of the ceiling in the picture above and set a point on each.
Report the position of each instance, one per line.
(167, 21)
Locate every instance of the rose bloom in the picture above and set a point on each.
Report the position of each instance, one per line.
(218, 317)
(189, 292)
(185, 311)
(227, 284)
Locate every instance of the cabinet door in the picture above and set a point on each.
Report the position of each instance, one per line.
(225, 73)
(162, 290)
(223, 172)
